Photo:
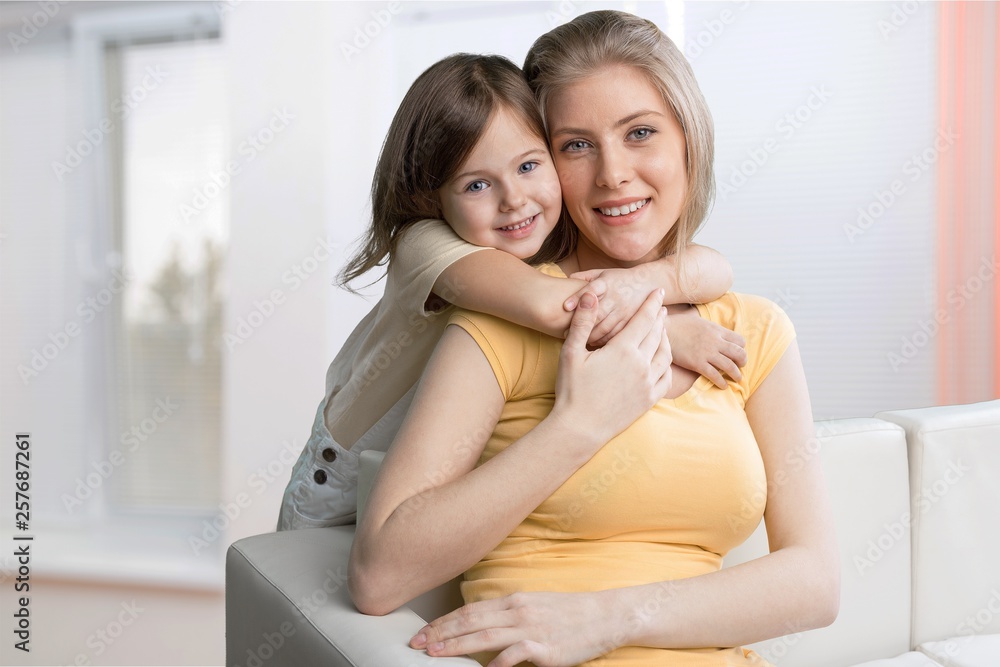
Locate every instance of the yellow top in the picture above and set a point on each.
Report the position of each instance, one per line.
(666, 499)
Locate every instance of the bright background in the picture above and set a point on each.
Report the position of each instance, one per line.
(167, 322)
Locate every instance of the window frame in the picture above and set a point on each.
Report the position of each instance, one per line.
(96, 544)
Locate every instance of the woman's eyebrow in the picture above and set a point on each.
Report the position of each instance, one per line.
(638, 114)
(624, 121)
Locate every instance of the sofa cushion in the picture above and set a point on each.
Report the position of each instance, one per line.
(954, 456)
(287, 605)
(911, 659)
(965, 651)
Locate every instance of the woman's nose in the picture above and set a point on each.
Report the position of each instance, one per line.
(613, 168)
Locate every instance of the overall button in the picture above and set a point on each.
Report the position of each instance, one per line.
(320, 477)
(329, 454)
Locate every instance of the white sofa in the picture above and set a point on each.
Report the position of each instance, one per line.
(916, 495)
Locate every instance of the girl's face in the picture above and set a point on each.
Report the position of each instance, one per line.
(506, 194)
(621, 155)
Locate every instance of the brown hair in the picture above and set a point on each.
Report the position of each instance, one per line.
(436, 127)
(595, 40)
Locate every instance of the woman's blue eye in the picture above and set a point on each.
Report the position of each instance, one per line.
(642, 132)
(575, 146)
(476, 186)
(526, 167)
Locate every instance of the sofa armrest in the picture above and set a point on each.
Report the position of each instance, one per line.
(287, 604)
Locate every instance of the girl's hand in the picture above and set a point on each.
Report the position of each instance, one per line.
(600, 393)
(707, 348)
(547, 629)
(621, 292)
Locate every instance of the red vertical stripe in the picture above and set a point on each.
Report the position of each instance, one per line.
(943, 199)
(993, 25)
(975, 201)
(959, 192)
(964, 198)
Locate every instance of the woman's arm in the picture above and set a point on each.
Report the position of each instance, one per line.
(432, 514)
(794, 588)
(498, 283)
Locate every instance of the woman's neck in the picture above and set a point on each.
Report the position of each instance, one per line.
(586, 257)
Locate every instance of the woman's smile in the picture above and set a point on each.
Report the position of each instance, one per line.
(621, 212)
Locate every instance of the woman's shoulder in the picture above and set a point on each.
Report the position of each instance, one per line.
(765, 327)
(490, 324)
(747, 314)
(513, 351)
(551, 269)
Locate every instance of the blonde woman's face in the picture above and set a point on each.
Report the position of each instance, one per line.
(620, 155)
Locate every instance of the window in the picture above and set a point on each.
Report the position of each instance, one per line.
(171, 233)
(118, 233)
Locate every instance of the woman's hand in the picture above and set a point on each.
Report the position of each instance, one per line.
(601, 392)
(621, 293)
(707, 348)
(548, 629)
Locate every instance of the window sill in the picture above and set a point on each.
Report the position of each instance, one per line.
(126, 551)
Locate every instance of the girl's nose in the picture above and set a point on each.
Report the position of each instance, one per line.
(513, 199)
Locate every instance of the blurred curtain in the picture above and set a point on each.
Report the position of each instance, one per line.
(968, 203)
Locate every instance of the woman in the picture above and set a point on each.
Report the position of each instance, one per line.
(574, 549)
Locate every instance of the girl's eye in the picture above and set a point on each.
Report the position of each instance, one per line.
(642, 133)
(527, 167)
(577, 145)
(476, 186)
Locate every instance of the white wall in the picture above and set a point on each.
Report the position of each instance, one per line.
(310, 183)
(783, 230)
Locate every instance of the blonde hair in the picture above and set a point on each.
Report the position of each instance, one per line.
(595, 40)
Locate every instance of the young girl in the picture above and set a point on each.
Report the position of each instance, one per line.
(465, 168)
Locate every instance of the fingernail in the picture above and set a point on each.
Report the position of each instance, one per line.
(436, 646)
(570, 304)
(661, 292)
(419, 640)
(585, 302)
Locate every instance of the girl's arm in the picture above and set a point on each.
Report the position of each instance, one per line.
(705, 276)
(432, 513)
(498, 283)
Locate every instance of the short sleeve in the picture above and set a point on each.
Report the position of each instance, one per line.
(512, 350)
(423, 251)
(768, 333)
